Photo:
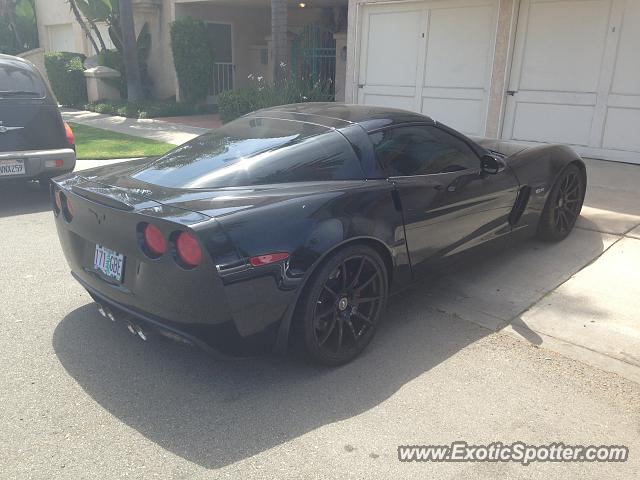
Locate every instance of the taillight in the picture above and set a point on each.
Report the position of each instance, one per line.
(70, 210)
(58, 202)
(71, 139)
(154, 240)
(188, 250)
(268, 258)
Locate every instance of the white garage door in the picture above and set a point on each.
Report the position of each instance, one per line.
(431, 57)
(576, 76)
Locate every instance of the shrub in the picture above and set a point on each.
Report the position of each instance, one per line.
(145, 109)
(192, 58)
(66, 76)
(235, 103)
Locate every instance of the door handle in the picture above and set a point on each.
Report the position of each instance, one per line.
(511, 92)
(438, 186)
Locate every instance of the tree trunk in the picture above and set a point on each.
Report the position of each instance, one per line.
(131, 64)
(83, 25)
(279, 41)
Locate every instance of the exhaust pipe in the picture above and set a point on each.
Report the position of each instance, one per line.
(136, 330)
(132, 327)
(106, 312)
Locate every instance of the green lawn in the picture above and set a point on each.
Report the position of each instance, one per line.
(97, 144)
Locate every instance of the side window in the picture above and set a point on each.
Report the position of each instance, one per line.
(421, 150)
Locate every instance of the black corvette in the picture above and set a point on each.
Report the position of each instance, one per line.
(292, 225)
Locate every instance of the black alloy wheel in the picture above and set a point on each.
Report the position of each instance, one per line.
(343, 305)
(563, 205)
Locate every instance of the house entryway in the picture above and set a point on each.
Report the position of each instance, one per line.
(223, 74)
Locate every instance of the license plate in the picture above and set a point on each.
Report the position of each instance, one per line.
(11, 167)
(109, 262)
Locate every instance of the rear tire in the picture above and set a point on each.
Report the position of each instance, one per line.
(342, 304)
(563, 205)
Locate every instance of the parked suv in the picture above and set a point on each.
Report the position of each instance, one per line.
(35, 143)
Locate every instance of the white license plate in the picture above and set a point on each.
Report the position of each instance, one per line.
(109, 262)
(12, 167)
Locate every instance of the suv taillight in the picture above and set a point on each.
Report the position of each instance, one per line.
(71, 139)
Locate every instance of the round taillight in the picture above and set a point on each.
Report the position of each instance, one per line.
(154, 240)
(188, 249)
(58, 202)
(71, 211)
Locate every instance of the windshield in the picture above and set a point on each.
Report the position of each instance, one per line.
(19, 82)
(255, 151)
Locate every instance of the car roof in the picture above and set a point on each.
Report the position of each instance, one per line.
(342, 115)
(14, 61)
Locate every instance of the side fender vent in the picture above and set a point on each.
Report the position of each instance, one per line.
(522, 200)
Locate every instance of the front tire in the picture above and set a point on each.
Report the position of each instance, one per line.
(563, 205)
(342, 305)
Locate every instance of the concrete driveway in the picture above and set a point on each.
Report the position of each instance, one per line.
(81, 397)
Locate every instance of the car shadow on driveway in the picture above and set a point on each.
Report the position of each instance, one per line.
(215, 412)
(22, 198)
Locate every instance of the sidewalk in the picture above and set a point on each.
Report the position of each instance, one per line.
(579, 297)
(154, 129)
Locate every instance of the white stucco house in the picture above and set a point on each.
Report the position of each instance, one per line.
(563, 71)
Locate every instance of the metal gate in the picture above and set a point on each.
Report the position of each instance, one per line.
(313, 56)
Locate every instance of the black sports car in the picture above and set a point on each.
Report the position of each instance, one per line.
(292, 225)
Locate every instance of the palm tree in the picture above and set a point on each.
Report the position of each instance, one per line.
(76, 13)
(130, 57)
(8, 11)
(279, 41)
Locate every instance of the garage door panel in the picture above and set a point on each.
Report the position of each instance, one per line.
(540, 122)
(459, 60)
(392, 48)
(391, 101)
(440, 50)
(564, 45)
(622, 129)
(465, 115)
(626, 79)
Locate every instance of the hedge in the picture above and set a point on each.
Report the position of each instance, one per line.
(146, 109)
(192, 58)
(66, 76)
(235, 103)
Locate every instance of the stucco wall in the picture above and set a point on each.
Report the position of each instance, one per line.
(250, 27)
(57, 12)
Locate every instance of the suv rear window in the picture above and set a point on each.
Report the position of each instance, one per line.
(256, 151)
(19, 82)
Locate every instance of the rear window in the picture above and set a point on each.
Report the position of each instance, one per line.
(256, 151)
(19, 82)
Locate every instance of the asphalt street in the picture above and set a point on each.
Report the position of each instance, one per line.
(80, 397)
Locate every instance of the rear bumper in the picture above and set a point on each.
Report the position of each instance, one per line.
(148, 321)
(41, 163)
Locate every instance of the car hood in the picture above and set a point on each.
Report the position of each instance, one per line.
(117, 183)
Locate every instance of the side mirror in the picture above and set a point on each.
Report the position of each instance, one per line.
(491, 165)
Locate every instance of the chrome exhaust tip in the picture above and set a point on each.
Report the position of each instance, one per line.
(131, 328)
(106, 312)
(136, 330)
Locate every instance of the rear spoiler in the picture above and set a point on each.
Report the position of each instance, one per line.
(104, 199)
